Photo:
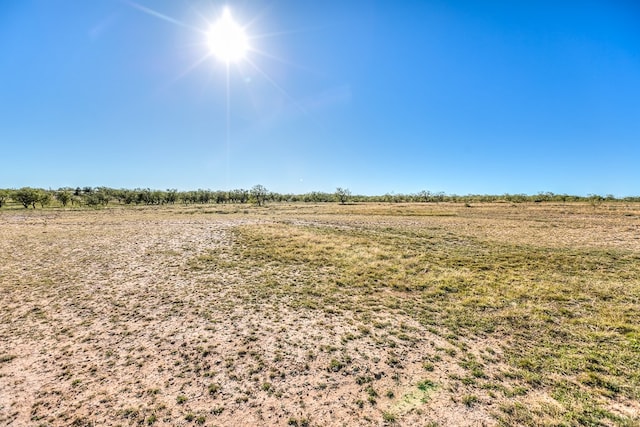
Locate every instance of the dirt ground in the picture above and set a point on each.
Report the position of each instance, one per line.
(108, 319)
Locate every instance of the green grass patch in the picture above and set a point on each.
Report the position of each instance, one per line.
(562, 313)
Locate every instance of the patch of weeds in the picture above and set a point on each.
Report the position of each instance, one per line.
(242, 399)
(371, 391)
(404, 337)
(217, 410)
(518, 391)
(428, 366)
(595, 380)
(470, 399)
(426, 385)
(213, 388)
(328, 348)
(468, 380)
(153, 391)
(394, 362)
(302, 422)
(533, 378)
(181, 399)
(478, 373)
(335, 365)
(348, 337)
(364, 330)
(388, 417)
(381, 325)
(130, 413)
(363, 379)
(516, 414)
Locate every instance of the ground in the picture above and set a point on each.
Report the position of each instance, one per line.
(370, 314)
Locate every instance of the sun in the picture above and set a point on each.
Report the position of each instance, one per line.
(227, 40)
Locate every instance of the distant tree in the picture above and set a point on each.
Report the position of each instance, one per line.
(239, 195)
(343, 194)
(186, 197)
(27, 196)
(259, 194)
(92, 200)
(142, 196)
(105, 194)
(425, 196)
(317, 196)
(398, 198)
(4, 195)
(205, 196)
(221, 196)
(595, 199)
(171, 196)
(44, 198)
(63, 197)
(129, 196)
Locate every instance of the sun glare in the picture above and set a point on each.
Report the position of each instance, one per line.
(227, 40)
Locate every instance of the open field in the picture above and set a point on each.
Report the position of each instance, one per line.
(369, 314)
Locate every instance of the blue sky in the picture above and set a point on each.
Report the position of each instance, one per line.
(377, 96)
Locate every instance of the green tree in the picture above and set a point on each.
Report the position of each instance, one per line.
(4, 195)
(239, 195)
(221, 196)
(92, 200)
(44, 198)
(425, 196)
(104, 195)
(343, 194)
(171, 196)
(595, 199)
(27, 196)
(64, 197)
(259, 194)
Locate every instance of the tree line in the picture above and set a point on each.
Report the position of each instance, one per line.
(102, 196)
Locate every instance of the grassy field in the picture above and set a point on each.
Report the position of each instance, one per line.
(313, 315)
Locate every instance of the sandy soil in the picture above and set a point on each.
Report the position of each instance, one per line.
(106, 322)
(107, 319)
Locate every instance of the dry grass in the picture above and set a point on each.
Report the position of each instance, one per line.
(321, 315)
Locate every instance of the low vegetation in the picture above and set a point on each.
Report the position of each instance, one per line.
(322, 314)
(102, 196)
